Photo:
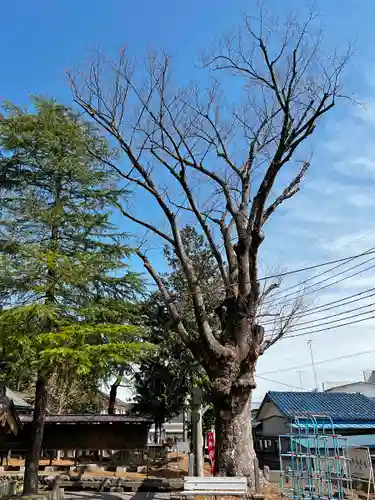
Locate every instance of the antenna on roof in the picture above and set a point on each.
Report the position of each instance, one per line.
(309, 342)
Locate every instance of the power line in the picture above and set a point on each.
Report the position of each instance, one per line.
(304, 292)
(322, 308)
(333, 321)
(326, 279)
(316, 266)
(281, 383)
(329, 328)
(349, 259)
(331, 360)
(333, 316)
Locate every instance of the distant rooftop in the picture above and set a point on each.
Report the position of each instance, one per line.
(340, 406)
(18, 401)
(118, 402)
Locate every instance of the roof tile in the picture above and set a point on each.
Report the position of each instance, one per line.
(87, 418)
(339, 406)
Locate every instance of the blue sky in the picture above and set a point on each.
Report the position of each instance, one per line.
(333, 214)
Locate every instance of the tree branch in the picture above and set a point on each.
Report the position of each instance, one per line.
(288, 192)
(209, 340)
(175, 317)
(145, 224)
(181, 179)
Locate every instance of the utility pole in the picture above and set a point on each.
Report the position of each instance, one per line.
(309, 342)
(197, 430)
(300, 378)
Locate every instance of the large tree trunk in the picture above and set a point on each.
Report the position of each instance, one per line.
(30, 484)
(156, 433)
(113, 391)
(112, 399)
(234, 450)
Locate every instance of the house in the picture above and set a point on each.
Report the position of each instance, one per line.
(100, 403)
(365, 387)
(20, 405)
(174, 430)
(348, 414)
(10, 423)
(121, 407)
(351, 387)
(255, 405)
(348, 411)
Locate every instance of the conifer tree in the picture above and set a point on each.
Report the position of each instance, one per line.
(62, 262)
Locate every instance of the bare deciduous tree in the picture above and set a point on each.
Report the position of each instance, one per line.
(228, 166)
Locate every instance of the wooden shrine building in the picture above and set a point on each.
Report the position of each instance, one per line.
(82, 432)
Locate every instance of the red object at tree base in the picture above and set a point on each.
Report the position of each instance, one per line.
(211, 450)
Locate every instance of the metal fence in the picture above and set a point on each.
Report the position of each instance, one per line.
(314, 460)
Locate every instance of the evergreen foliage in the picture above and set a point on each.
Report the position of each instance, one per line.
(62, 262)
(64, 281)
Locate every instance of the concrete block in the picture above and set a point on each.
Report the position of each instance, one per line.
(2, 469)
(142, 469)
(120, 469)
(50, 468)
(89, 467)
(22, 468)
(274, 476)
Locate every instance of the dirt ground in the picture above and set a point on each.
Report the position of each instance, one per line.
(175, 467)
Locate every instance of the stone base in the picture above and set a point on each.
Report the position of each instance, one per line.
(88, 467)
(142, 469)
(116, 489)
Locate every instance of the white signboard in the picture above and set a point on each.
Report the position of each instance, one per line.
(361, 466)
(360, 463)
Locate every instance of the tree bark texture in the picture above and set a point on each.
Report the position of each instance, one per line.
(234, 451)
(156, 433)
(113, 391)
(30, 485)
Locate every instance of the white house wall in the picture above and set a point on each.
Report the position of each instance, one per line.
(361, 387)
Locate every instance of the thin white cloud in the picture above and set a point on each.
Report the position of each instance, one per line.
(349, 243)
(362, 167)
